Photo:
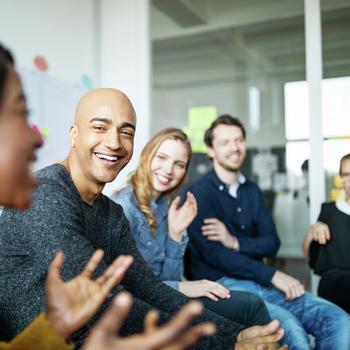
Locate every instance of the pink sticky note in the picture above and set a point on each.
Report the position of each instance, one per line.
(41, 63)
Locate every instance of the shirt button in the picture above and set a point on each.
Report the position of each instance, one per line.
(149, 243)
(221, 187)
(242, 227)
(239, 209)
(162, 254)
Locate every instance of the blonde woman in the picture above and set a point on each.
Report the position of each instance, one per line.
(160, 229)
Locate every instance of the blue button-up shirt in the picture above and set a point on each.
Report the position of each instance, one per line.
(245, 215)
(163, 255)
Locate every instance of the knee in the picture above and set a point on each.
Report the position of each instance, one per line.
(257, 306)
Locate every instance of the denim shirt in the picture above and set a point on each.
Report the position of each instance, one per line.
(163, 255)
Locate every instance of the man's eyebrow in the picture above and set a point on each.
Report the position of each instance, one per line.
(127, 125)
(100, 119)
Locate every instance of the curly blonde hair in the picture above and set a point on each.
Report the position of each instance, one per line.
(141, 180)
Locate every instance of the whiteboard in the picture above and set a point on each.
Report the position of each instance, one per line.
(52, 105)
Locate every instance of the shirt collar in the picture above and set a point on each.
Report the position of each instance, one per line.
(223, 186)
(342, 205)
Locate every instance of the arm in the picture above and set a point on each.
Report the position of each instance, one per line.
(39, 335)
(30, 240)
(70, 304)
(319, 233)
(170, 266)
(173, 335)
(142, 283)
(231, 262)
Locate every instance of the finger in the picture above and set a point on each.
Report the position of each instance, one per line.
(116, 277)
(300, 290)
(322, 237)
(213, 237)
(175, 203)
(118, 267)
(217, 289)
(54, 270)
(268, 339)
(150, 322)
(93, 263)
(209, 227)
(211, 233)
(211, 296)
(261, 347)
(192, 200)
(114, 317)
(218, 286)
(192, 336)
(327, 233)
(257, 331)
(210, 221)
(171, 330)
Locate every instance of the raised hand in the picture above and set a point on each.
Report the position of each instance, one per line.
(71, 304)
(319, 232)
(171, 336)
(261, 337)
(215, 230)
(289, 285)
(204, 288)
(179, 218)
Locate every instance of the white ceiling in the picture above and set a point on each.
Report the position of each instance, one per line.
(199, 41)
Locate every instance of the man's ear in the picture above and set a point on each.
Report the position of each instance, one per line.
(73, 131)
(210, 151)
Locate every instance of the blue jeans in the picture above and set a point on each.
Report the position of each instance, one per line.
(328, 323)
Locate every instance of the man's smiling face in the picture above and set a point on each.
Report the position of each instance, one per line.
(103, 135)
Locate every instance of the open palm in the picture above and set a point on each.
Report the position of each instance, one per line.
(71, 304)
(174, 335)
(180, 217)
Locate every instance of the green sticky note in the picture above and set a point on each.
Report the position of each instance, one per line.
(44, 132)
(199, 120)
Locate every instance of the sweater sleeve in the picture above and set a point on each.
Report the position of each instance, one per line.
(29, 240)
(230, 262)
(39, 335)
(143, 284)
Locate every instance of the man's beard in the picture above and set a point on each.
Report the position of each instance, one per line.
(233, 169)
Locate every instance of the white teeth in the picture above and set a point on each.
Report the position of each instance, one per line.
(105, 156)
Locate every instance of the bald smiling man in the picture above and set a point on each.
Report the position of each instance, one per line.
(70, 214)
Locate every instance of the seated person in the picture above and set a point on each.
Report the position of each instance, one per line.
(69, 304)
(160, 230)
(69, 213)
(327, 244)
(234, 231)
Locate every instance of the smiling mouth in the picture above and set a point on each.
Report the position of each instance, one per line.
(163, 179)
(106, 157)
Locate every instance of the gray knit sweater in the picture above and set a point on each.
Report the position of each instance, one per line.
(60, 220)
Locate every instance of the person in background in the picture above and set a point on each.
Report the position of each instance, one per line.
(72, 303)
(160, 229)
(327, 244)
(234, 231)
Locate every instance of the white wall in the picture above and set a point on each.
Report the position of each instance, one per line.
(61, 31)
(170, 107)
